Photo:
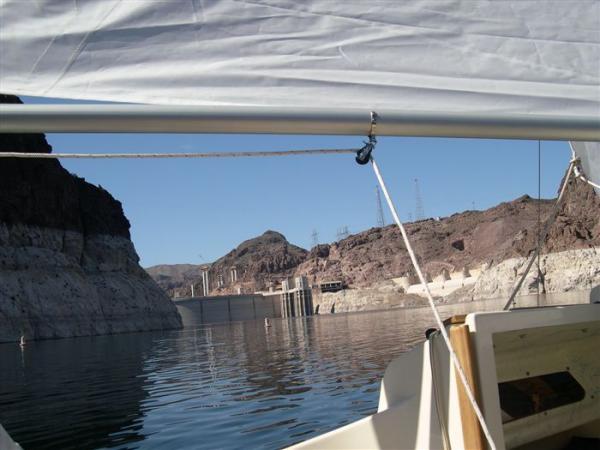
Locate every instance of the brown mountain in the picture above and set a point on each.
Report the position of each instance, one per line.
(258, 262)
(174, 276)
(466, 239)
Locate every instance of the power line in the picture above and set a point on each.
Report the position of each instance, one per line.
(315, 237)
(342, 233)
(419, 210)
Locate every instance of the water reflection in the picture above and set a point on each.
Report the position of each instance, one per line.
(77, 392)
(234, 385)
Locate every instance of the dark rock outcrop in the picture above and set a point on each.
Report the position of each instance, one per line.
(42, 193)
(67, 264)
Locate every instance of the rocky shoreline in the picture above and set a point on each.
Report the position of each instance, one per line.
(58, 283)
(573, 275)
(567, 271)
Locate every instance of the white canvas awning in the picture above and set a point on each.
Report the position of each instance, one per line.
(471, 68)
(539, 57)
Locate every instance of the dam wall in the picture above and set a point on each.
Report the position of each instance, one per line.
(293, 300)
(227, 308)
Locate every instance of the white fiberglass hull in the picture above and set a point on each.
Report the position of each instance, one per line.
(535, 372)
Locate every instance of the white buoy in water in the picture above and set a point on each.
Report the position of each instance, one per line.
(22, 342)
(267, 322)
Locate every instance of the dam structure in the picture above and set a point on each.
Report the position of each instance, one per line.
(294, 299)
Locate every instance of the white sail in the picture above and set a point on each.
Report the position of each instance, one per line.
(511, 56)
(589, 155)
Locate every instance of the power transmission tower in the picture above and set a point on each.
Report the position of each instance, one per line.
(380, 217)
(342, 233)
(315, 237)
(419, 210)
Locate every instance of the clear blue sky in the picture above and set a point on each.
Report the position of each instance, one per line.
(193, 211)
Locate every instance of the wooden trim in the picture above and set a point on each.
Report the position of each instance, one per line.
(455, 320)
(472, 433)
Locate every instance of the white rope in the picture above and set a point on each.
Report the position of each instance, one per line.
(440, 323)
(542, 238)
(578, 174)
(323, 151)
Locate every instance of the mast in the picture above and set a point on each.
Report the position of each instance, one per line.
(110, 118)
(380, 216)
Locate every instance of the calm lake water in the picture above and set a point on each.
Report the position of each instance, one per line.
(223, 386)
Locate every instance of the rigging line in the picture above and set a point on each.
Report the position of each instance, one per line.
(438, 319)
(549, 222)
(539, 224)
(578, 173)
(321, 151)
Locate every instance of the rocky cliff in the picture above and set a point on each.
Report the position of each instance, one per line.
(67, 264)
(467, 239)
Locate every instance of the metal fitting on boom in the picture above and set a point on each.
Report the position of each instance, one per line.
(363, 156)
